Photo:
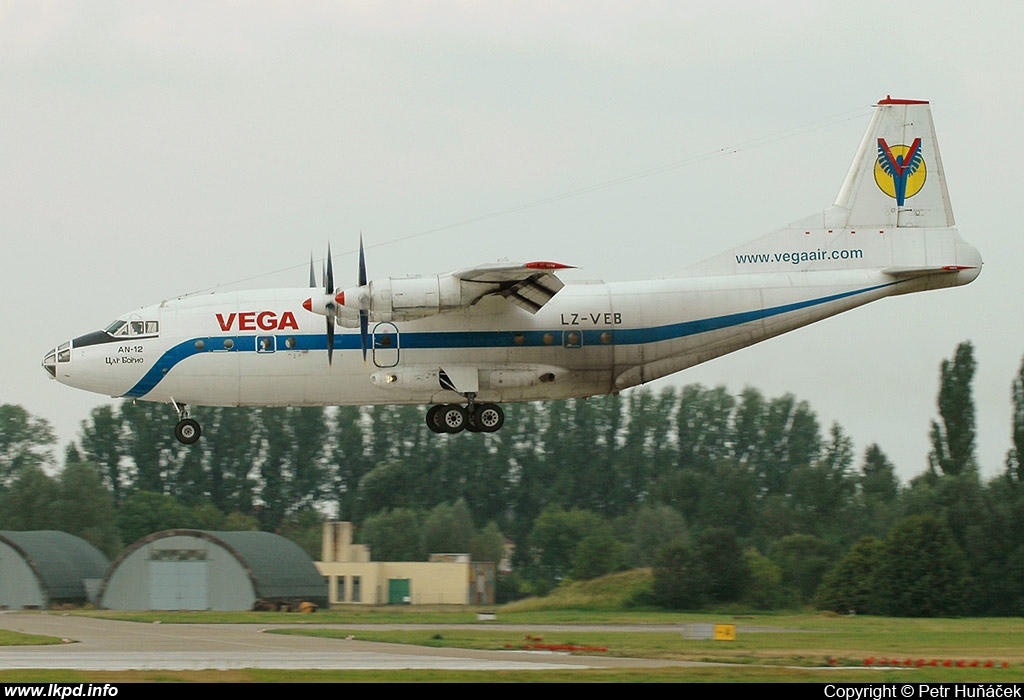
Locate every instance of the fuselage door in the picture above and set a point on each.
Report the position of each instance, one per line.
(385, 345)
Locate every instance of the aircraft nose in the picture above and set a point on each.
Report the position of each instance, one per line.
(60, 354)
(50, 363)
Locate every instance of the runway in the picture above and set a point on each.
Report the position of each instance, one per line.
(109, 645)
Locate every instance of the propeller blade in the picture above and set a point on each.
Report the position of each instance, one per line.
(330, 340)
(364, 325)
(329, 290)
(362, 262)
(312, 273)
(329, 278)
(364, 316)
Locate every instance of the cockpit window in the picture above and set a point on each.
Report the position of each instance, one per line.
(134, 327)
(114, 327)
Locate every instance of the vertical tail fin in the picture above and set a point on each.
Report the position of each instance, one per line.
(892, 213)
(896, 180)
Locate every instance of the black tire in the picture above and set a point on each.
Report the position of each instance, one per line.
(489, 418)
(187, 431)
(454, 418)
(434, 419)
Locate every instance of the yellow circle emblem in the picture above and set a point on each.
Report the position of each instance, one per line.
(900, 171)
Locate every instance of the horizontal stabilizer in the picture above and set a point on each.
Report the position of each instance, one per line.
(918, 271)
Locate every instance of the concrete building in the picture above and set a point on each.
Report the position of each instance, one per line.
(447, 579)
(200, 570)
(43, 568)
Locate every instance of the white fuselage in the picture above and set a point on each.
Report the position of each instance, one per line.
(261, 348)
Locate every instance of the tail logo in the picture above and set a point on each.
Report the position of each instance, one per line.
(900, 171)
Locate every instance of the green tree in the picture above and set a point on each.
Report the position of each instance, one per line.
(953, 439)
(704, 427)
(646, 455)
(487, 544)
(231, 445)
(923, 573)
(654, 527)
(393, 483)
(995, 549)
(553, 542)
(1015, 457)
(722, 557)
(28, 503)
(681, 581)
(448, 528)
(149, 441)
(351, 461)
(823, 492)
(293, 476)
(765, 591)
(531, 475)
(144, 513)
(241, 521)
(851, 586)
(803, 559)
(598, 554)
(101, 445)
(394, 535)
(85, 507)
(877, 504)
(25, 441)
(305, 527)
(878, 476)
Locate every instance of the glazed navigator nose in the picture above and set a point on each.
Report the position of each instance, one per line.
(55, 356)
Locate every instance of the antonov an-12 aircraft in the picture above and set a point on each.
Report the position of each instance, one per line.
(467, 341)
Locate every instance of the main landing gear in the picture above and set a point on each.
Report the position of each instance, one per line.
(187, 430)
(454, 418)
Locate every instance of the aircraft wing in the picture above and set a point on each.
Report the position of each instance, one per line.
(527, 285)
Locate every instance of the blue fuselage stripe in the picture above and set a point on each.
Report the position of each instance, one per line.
(426, 340)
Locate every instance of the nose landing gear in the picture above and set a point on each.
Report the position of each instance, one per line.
(187, 430)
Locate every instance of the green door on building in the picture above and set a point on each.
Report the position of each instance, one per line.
(398, 591)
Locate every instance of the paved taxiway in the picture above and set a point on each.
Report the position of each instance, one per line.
(95, 644)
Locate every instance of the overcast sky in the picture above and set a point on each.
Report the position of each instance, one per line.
(149, 149)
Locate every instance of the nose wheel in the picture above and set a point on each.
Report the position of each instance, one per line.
(476, 418)
(187, 430)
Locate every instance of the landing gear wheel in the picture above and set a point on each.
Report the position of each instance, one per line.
(489, 418)
(454, 418)
(187, 431)
(434, 419)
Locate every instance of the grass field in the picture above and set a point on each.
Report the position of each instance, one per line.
(794, 647)
(785, 648)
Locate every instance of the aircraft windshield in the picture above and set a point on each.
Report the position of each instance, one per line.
(135, 327)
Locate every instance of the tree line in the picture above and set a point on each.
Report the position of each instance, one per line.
(730, 499)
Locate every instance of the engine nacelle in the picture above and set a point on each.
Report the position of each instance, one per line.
(404, 298)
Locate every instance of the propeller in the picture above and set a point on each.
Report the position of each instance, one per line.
(329, 303)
